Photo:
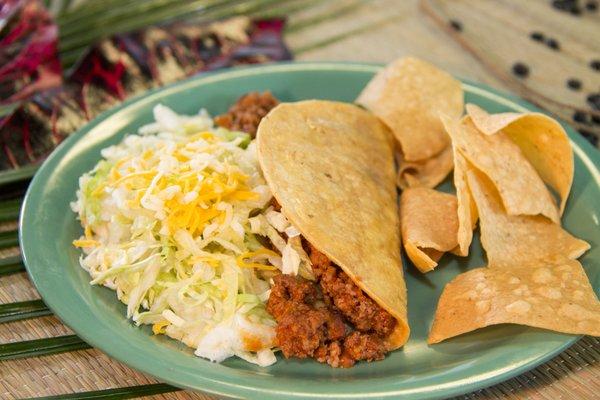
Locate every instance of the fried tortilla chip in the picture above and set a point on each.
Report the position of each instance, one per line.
(427, 173)
(518, 239)
(330, 166)
(555, 296)
(408, 95)
(522, 190)
(466, 208)
(429, 225)
(541, 139)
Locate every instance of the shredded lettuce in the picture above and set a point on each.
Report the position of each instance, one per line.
(176, 220)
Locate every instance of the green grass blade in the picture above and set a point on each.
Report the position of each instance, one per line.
(23, 310)
(9, 209)
(11, 265)
(130, 392)
(41, 347)
(9, 239)
(98, 28)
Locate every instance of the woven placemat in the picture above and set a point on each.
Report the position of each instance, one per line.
(376, 31)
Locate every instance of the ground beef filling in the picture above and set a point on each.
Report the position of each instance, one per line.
(246, 113)
(331, 320)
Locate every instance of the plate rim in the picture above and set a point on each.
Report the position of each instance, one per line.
(581, 147)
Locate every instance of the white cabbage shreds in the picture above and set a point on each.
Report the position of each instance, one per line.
(173, 219)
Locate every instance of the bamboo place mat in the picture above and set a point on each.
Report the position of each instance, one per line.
(371, 31)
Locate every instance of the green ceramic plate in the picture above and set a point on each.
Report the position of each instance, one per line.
(418, 371)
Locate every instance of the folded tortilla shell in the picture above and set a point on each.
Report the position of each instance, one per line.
(554, 296)
(429, 225)
(330, 166)
(522, 190)
(408, 95)
(426, 173)
(542, 140)
(518, 239)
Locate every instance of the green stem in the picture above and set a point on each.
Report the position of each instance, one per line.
(9, 209)
(9, 239)
(130, 392)
(41, 347)
(10, 265)
(23, 310)
(97, 28)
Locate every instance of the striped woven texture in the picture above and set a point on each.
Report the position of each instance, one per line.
(372, 31)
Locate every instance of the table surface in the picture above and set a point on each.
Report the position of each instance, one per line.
(370, 31)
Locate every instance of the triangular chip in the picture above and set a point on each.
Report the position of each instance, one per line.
(330, 166)
(518, 239)
(466, 209)
(427, 173)
(522, 190)
(556, 296)
(408, 95)
(429, 225)
(542, 140)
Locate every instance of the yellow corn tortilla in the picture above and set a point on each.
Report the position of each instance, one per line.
(542, 140)
(429, 225)
(330, 166)
(532, 278)
(522, 190)
(466, 208)
(427, 173)
(408, 95)
(554, 296)
(518, 239)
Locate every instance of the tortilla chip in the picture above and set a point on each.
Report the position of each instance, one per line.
(330, 166)
(427, 173)
(466, 208)
(408, 95)
(518, 239)
(429, 225)
(557, 297)
(522, 190)
(542, 140)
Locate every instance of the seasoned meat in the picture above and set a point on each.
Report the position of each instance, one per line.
(246, 113)
(287, 293)
(308, 328)
(364, 313)
(364, 346)
(302, 325)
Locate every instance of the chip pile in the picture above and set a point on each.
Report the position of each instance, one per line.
(504, 167)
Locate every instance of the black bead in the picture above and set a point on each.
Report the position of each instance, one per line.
(596, 119)
(594, 100)
(537, 36)
(456, 25)
(521, 70)
(553, 44)
(595, 64)
(591, 6)
(574, 84)
(580, 116)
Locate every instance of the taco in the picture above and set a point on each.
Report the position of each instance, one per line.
(330, 167)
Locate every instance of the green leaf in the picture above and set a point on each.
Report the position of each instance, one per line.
(23, 310)
(11, 265)
(118, 393)
(9, 209)
(41, 347)
(8, 239)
